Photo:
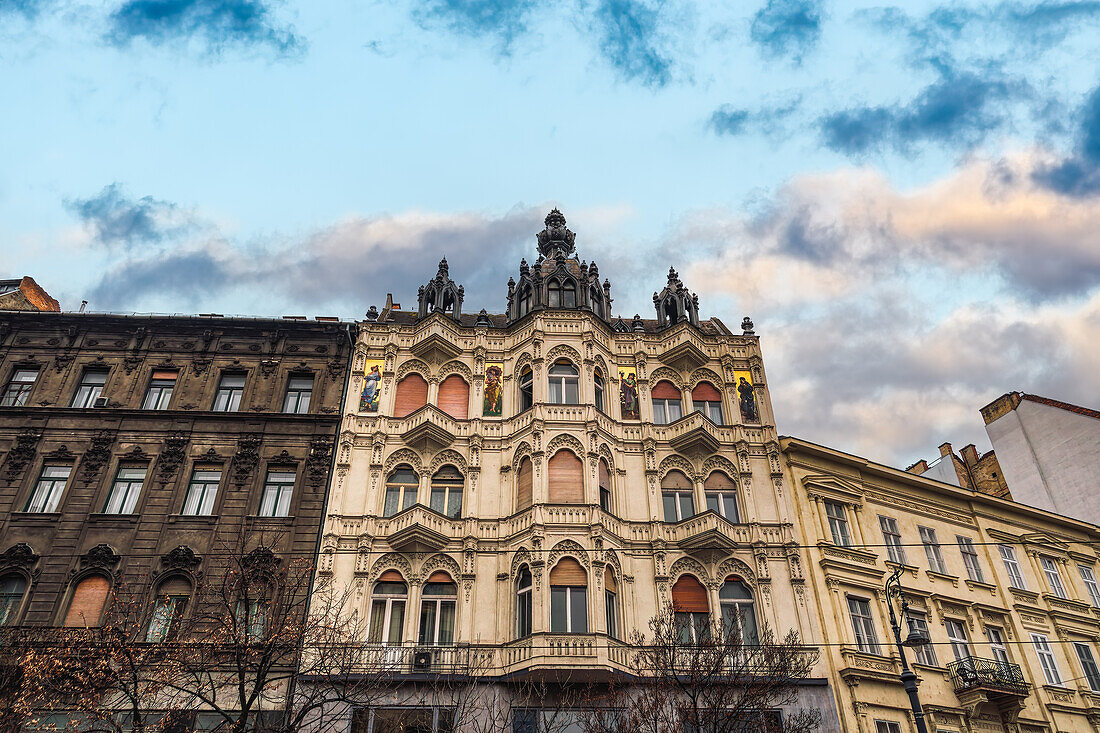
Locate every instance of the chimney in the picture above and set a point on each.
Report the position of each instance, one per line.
(919, 467)
(945, 450)
(969, 455)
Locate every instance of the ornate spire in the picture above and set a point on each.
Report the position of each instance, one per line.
(676, 303)
(556, 239)
(441, 294)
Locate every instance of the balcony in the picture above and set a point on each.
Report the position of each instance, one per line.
(429, 427)
(997, 684)
(694, 433)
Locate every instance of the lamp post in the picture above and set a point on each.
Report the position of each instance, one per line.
(915, 638)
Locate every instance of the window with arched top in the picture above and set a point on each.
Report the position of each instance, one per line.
(524, 484)
(738, 617)
(721, 495)
(437, 609)
(666, 403)
(564, 384)
(170, 604)
(677, 496)
(568, 598)
(526, 384)
(689, 602)
(88, 600)
(561, 294)
(412, 394)
(566, 478)
(523, 603)
(598, 387)
(596, 296)
(400, 490)
(605, 486)
(611, 603)
(13, 587)
(706, 398)
(447, 492)
(454, 397)
(523, 301)
(387, 609)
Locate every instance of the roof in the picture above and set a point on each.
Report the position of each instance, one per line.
(1061, 405)
(710, 326)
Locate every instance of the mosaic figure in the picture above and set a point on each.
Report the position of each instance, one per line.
(372, 387)
(748, 401)
(493, 403)
(628, 393)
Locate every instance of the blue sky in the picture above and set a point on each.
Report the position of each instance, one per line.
(905, 198)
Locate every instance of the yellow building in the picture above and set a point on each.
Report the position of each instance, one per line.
(1008, 595)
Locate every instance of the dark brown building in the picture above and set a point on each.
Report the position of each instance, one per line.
(130, 446)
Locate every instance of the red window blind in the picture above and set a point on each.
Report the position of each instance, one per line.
(523, 484)
(568, 572)
(89, 598)
(440, 576)
(390, 576)
(164, 374)
(718, 481)
(689, 595)
(665, 391)
(705, 392)
(605, 476)
(675, 480)
(454, 397)
(609, 580)
(412, 394)
(566, 478)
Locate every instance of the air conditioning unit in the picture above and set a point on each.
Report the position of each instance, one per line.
(422, 660)
(100, 402)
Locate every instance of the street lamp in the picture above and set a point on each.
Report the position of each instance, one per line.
(916, 638)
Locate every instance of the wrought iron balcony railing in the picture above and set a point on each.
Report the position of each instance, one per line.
(990, 674)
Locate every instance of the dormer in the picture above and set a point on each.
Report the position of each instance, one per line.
(441, 294)
(675, 303)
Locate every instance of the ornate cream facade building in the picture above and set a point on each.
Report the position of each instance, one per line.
(540, 482)
(1007, 593)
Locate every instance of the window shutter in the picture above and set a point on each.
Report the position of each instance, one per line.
(440, 576)
(705, 392)
(390, 576)
(609, 581)
(454, 397)
(605, 476)
(665, 391)
(566, 479)
(523, 484)
(412, 394)
(568, 572)
(164, 374)
(676, 480)
(89, 597)
(718, 481)
(689, 595)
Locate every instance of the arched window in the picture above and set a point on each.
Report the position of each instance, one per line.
(689, 601)
(524, 481)
(569, 295)
(677, 497)
(666, 403)
(437, 609)
(523, 603)
(387, 609)
(611, 603)
(12, 588)
(88, 601)
(447, 492)
(168, 609)
(596, 296)
(738, 618)
(598, 389)
(400, 490)
(605, 486)
(722, 496)
(524, 301)
(454, 397)
(705, 398)
(561, 294)
(412, 394)
(566, 478)
(568, 598)
(564, 384)
(526, 389)
(672, 313)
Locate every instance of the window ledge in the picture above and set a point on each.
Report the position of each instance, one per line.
(270, 520)
(980, 585)
(115, 519)
(929, 667)
(193, 518)
(36, 516)
(952, 579)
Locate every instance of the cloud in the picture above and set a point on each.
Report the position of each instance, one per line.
(1079, 173)
(769, 119)
(26, 8)
(502, 19)
(118, 220)
(629, 37)
(788, 28)
(960, 110)
(218, 24)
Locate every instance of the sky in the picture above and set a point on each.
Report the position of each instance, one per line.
(904, 198)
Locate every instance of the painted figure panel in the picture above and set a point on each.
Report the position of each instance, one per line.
(628, 393)
(493, 402)
(372, 386)
(747, 397)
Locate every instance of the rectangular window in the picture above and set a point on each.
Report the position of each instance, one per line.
(252, 619)
(48, 489)
(1012, 567)
(1089, 578)
(926, 654)
(19, 388)
(997, 644)
(678, 505)
(125, 491)
(970, 559)
(166, 617)
(667, 411)
(202, 491)
(1054, 578)
(160, 389)
(932, 550)
(568, 610)
(90, 388)
(404, 720)
(709, 408)
(298, 393)
(398, 499)
(723, 503)
(891, 537)
(956, 633)
(838, 523)
(1046, 659)
(887, 726)
(1088, 665)
(610, 610)
(863, 625)
(230, 390)
(605, 499)
(278, 488)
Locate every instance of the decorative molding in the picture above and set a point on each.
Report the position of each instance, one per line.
(677, 462)
(391, 561)
(19, 555)
(22, 452)
(181, 558)
(101, 556)
(171, 456)
(565, 440)
(97, 455)
(562, 351)
(567, 547)
(440, 561)
(689, 566)
(445, 457)
(246, 458)
(455, 367)
(403, 455)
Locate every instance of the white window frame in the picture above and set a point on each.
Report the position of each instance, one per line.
(297, 400)
(228, 398)
(48, 490)
(863, 625)
(524, 592)
(997, 646)
(1088, 665)
(570, 591)
(722, 497)
(678, 493)
(837, 516)
(925, 653)
(887, 726)
(711, 409)
(87, 392)
(158, 394)
(1089, 579)
(1012, 567)
(1054, 577)
(207, 489)
(598, 384)
(130, 487)
(387, 615)
(19, 387)
(970, 558)
(1047, 661)
(960, 642)
(563, 382)
(932, 550)
(891, 537)
(439, 601)
(663, 409)
(278, 492)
